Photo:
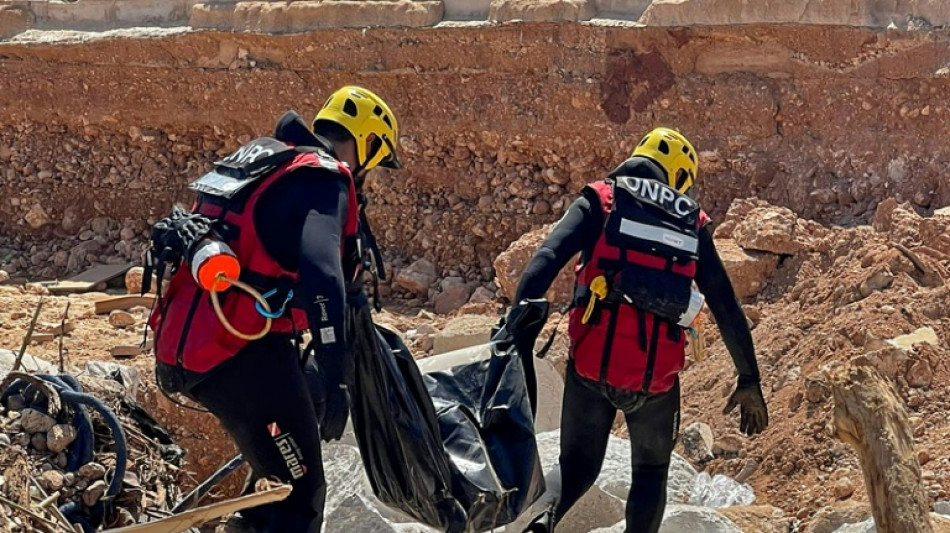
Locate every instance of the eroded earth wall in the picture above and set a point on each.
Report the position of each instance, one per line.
(501, 125)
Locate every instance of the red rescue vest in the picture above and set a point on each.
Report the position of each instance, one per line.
(623, 345)
(188, 333)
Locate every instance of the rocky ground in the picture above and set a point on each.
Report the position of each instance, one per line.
(818, 297)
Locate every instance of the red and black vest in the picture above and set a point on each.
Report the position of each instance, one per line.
(188, 333)
(647, 252)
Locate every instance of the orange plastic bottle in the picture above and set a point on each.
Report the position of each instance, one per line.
(211, 258)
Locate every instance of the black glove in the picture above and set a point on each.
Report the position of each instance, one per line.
(754, 415)
(524, 323)
(336, 402)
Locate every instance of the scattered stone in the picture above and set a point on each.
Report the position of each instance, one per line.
(60, 437)
(727, 446)
(768, 229)
(463, 331)
(748, 270)
(942, 507)
(121, 319)
(33, 421)
(94, 493)
(5, 439)
(925, 335)
(920, 374)
(133, 280)
(455, 293)
(759, 519)
(4, 276)
(16, 402)
(92, 471)
(829, 519)
(417, 277)
(748, 469)
(698, 442)
(817, 389)
(37, 217)
(38, 441)
(482, 296)
(687, 518)
(52, 481)
(844, 488)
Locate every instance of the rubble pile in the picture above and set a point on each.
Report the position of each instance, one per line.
(66, 463)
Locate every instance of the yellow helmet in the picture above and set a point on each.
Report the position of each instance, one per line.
(674, 154)
(363, 113)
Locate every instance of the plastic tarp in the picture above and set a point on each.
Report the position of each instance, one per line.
(453, 449)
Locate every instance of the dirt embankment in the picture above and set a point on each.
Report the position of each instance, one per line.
(98, 139)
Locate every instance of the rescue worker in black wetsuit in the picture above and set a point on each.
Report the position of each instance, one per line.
(292, 227)
(643, 244)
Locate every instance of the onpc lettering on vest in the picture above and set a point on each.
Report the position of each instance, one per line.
(248, 154)
(657, 192)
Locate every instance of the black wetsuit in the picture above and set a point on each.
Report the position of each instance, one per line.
(589, 408)
(299, 219)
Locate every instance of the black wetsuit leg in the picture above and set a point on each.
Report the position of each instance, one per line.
(262, 399)
(653, 429)
(586, 420)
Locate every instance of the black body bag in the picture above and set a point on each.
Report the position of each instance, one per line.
(454, 449)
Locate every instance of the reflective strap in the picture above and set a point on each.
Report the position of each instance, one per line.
(660, 235)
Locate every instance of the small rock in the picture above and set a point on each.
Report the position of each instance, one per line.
(121, 319)
(52, 480)
(727, 446)
(919, 375)
(454, 294)
(481, 296)
(747, 470)
(133, 280)
(92, 471)
(4, 439)
(844, 488)
(23, 439)
(37, 217)
(94, 493)
(16, 402)
(4, 276)
(417, 277)
(33, 421)
(38, 441)
(60, 437)
(816, 388)
(698, 442)
(942, 507)
(70, 479)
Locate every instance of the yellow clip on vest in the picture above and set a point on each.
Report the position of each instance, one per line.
(598, 290)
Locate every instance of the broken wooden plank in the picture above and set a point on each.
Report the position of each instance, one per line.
(202, 515)
(101, 274)
(56, 329)
(42, 338)
(124, 303)
(70, 287)
(125, 351)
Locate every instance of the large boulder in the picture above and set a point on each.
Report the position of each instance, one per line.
(747, 270)
(462, 332)
(454, 294)
(417, 277)
(510, 264)
(768, 229)
(759, 519)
